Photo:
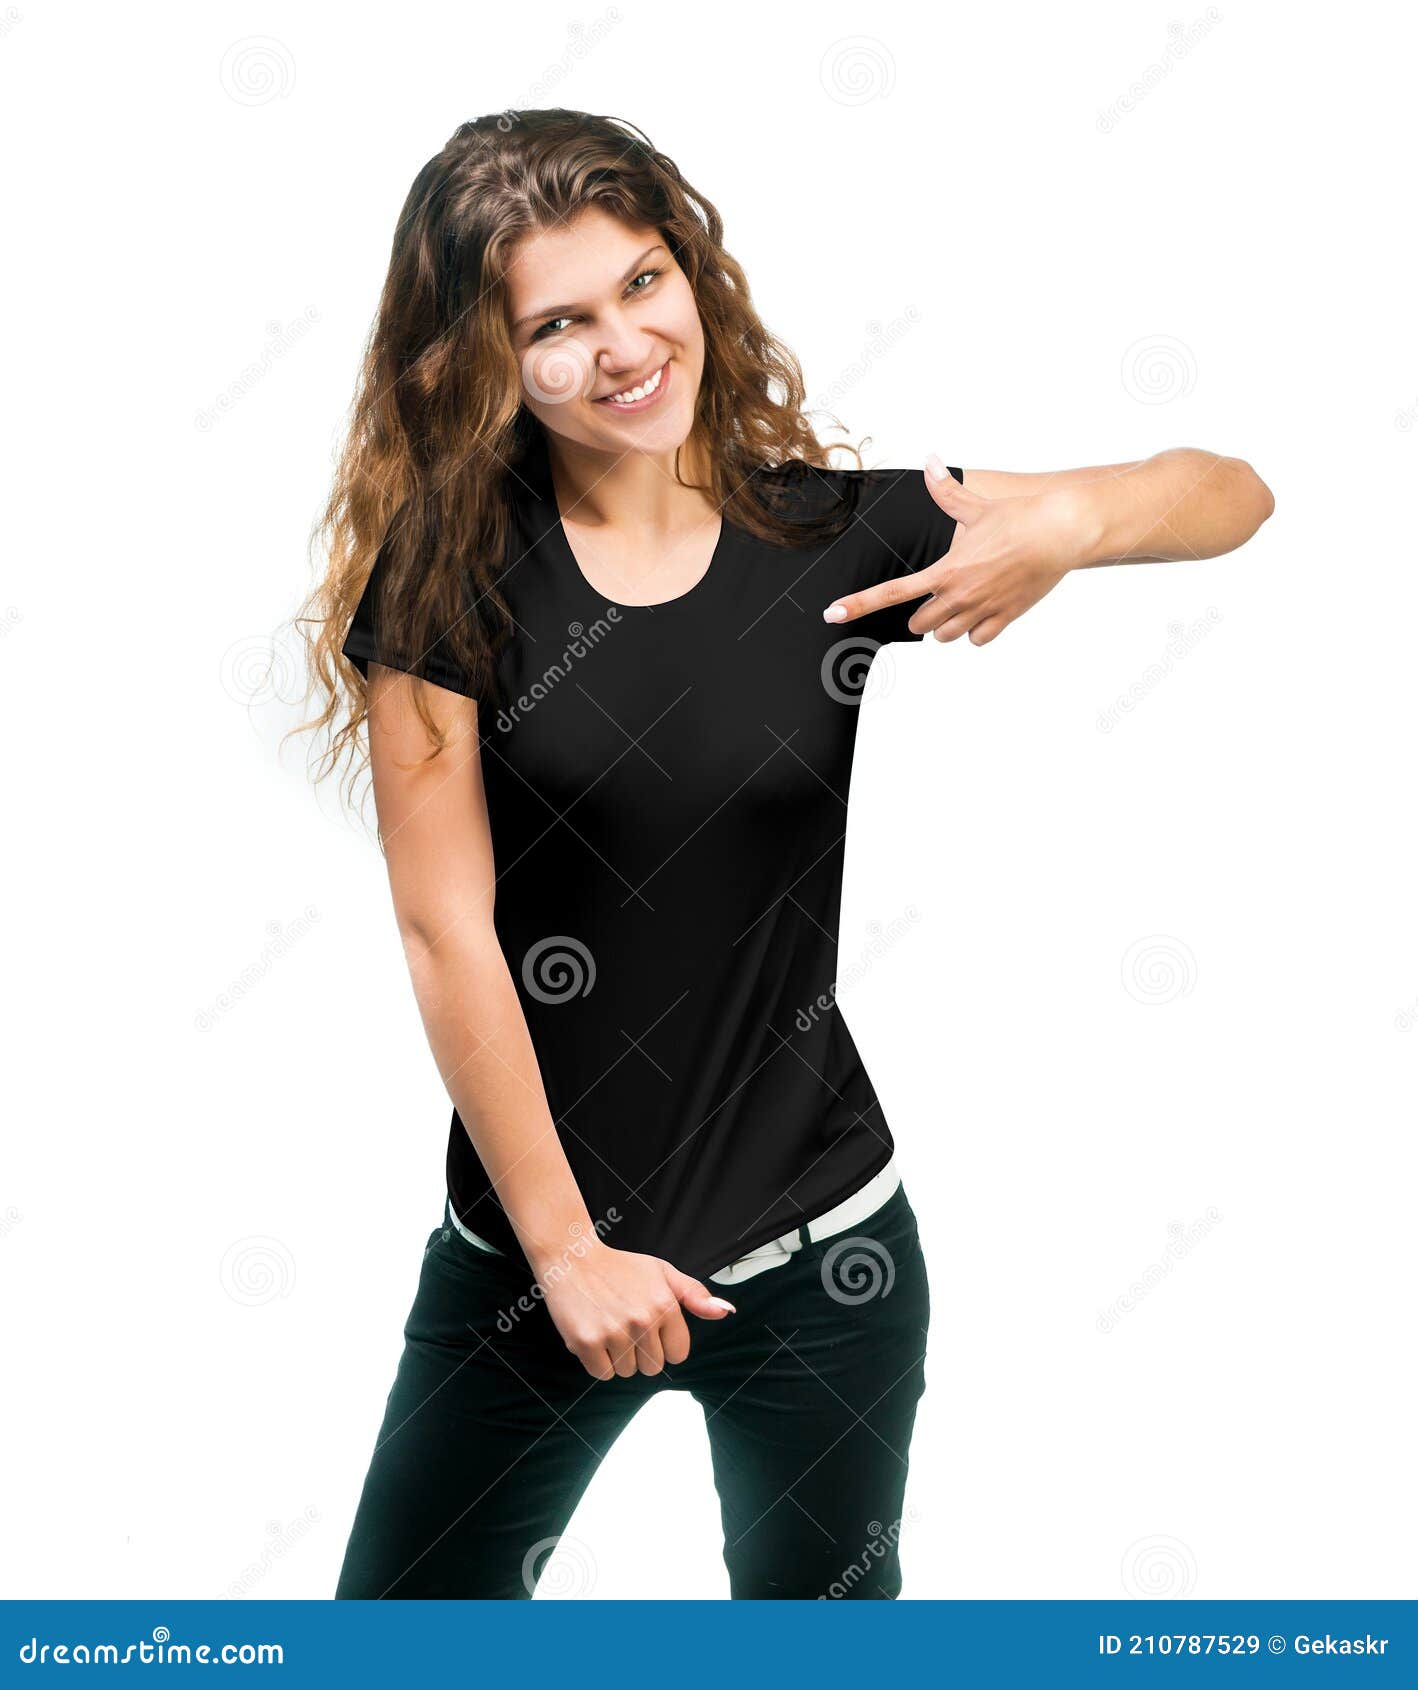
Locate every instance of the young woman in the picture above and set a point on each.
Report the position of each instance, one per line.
(606, 612)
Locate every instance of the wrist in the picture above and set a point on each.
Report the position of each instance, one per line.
(553, 1248)
(1084, 518)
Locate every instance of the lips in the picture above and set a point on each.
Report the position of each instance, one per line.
(644, 403)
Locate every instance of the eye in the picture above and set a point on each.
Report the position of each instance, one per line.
(549, 327)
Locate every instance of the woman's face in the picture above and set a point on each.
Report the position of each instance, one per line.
(596, 309)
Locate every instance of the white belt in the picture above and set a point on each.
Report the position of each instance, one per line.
(851, 1211)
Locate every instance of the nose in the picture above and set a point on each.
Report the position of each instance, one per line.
(626, 351)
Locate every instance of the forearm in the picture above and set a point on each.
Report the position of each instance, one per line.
(479, 1038)
(1182, 503)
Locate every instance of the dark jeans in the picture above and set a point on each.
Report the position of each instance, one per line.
(493, 1429)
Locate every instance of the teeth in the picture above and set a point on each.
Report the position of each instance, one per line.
(632, 394)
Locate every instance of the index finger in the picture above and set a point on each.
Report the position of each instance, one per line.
(881, 597)
(674, 1336)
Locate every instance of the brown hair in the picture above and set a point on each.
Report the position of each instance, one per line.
(438, 427)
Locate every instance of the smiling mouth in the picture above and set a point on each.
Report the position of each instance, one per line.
(641, 397)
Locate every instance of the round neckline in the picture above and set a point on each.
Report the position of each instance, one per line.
(696, 593)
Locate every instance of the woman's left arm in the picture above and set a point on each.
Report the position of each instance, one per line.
(1181, 503)
(1018, 534)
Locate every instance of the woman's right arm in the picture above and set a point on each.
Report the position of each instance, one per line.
(617, 1310)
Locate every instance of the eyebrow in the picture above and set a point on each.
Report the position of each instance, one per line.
(549, 311)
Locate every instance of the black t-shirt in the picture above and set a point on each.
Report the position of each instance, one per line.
(667, 792)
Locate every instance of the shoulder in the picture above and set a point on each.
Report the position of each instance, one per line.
(799, 489)
(815, 482)
(883, 503)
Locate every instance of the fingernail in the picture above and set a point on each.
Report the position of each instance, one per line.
(728, 1308)
(938, 470)
(835, 613)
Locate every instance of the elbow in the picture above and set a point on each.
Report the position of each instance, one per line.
(1242, 500)
(1256, 498)
(1265, 499)
(435, 936)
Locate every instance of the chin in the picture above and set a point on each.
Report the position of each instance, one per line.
(666, 434)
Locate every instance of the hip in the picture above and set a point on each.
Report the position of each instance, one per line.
(854, 1304)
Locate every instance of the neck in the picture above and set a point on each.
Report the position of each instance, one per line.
(597, 489)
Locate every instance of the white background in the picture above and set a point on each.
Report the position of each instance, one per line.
(1164, 967)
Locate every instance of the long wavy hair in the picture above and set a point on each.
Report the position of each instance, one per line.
(438, 429)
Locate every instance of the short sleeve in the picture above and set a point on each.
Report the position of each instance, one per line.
(364, 643)
(905, 531)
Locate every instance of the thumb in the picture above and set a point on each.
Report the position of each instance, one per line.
(697, 1298)
(953, 497)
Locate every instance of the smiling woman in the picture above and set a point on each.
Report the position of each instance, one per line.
(632, 401)
(546, 267)
(616, 862)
